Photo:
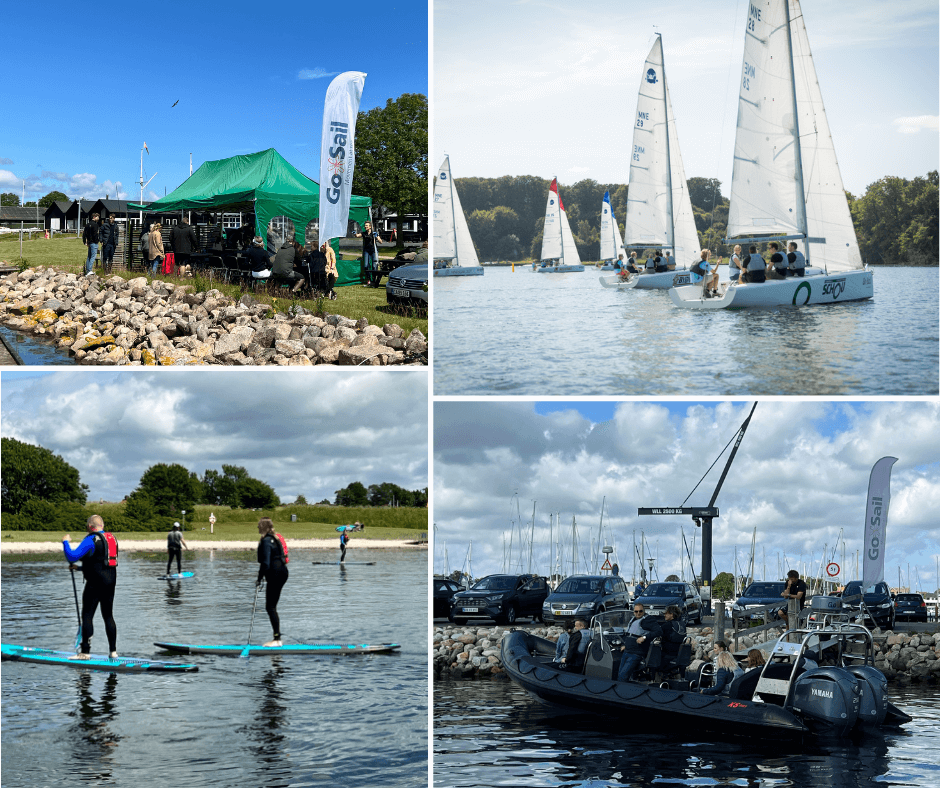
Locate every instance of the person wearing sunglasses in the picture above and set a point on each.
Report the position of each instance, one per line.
(636, 642)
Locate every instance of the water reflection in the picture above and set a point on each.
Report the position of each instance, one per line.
(94, 741)
(172, 592)
(269, 746)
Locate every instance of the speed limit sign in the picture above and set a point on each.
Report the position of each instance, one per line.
(832, 569)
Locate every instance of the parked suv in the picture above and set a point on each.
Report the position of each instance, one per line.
(760, 594)
(910, 607)
(583, 596)
(878, 603)
(658, 596)
(504, 598)
(444, 590)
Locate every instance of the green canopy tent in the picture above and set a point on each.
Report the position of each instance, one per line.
(269, 185)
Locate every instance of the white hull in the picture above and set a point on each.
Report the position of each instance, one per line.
(796, 291)
(559, 269)
(476, 270)
(606, 267)
(661, 281)
(616, 283)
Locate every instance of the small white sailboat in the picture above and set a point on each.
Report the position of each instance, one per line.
(559, 253)
(611, 242)
(659, 209)
(786, 185)
(454, 254)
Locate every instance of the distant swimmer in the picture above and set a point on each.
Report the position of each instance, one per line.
(98, 553)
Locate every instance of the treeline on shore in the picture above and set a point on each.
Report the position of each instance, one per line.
(896, 220)
(40, 491)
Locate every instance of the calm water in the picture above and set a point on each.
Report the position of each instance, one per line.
(489, 733)
(510, 333)
(34, 351)
(266, 721)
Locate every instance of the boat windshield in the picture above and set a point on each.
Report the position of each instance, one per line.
(764, 589)
(496, 583)
(665, 589)
(580, 585)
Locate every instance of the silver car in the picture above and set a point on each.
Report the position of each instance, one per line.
(408, 285)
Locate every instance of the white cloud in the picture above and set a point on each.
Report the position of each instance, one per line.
(315, 73)
(914, 124)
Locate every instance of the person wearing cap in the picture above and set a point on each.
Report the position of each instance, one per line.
(258, 259)
(174, 546)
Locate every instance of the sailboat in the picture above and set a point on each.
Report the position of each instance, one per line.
(611, 242)
(454, 254)
(786, 185)
(559, 253)
(659, 209)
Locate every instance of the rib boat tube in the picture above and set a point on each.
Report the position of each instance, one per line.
(790, 698)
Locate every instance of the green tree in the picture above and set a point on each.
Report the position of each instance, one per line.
(170, 487)
(300, 501)
(52, 197)
(392, 155)
(723, 586)
(354, 494)
(254, 494)
(705, 193)
(9, 198)
(139, 509)
(28, 471)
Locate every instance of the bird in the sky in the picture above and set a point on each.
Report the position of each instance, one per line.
(175, 103)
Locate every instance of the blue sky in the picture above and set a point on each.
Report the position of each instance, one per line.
(84, 86)
(556, 91)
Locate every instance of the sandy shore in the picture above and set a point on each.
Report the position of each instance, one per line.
(129, 545)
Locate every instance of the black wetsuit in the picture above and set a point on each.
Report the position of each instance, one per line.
(100, 584)
(174, 547)
(273, 569)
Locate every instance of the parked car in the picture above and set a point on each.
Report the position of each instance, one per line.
(584, 595)
(759, 594)
(879, 606)
(408, 286)
(503, 598)
(658, 596)
(910, 607)
(444, 590)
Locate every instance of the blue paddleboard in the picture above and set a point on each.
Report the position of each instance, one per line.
(46, 656)
(343, 563)
(180, 576)
(306, 649)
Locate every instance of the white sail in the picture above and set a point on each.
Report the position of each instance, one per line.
(649, 199)
(466, 252)
(571, 256)
(611, 243)
(551, 232)
(786, 179)
(687, 245)
(451, 235)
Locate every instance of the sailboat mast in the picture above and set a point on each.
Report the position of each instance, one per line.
(801, 192)
(561, 233)
(453, 207)
(671, 227)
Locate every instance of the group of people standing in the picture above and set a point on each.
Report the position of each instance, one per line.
(103, 234)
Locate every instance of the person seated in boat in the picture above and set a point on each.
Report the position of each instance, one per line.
(659, 262)
(636, 641)
(632, 264)
(796, 260)
(618, 263)
(735, 266)
(561, 645)
(670, 631)
(779, 265)
(728, 668)
(708, 276)
(651, 264)
(670, 262)
(755, 267)
(577, 646)
(755, 658)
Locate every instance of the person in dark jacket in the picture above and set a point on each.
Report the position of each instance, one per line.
(577, 646)
(258, 259)
(91, 238)
(283, 269)
(272, 560)
(184, 240)
(636, 641)
(98, 553)
(108, 233)
(316, 264)
(370, 256)
(670, 630)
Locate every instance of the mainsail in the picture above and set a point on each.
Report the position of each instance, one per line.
(611, 242)
(451, 234)
(786, 180)
(557, 240)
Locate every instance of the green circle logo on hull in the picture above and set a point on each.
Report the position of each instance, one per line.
(796, 293)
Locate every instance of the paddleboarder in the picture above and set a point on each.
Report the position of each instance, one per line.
(98, 553)
(174, 546)
(273, 559)
(343, 541)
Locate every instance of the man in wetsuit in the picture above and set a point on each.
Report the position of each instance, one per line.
(174, 546)
(98, 554)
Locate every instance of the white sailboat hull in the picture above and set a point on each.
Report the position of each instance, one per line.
(661, 281)
(617, 283)
(476, 270)
(796, 291)
(559, 269)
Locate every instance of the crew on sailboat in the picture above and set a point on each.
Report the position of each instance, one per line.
(779, 265)
(756, 267)
(650, 264)
(618, 263)
(660, 263)
(632, 264)
(735, 264)
(796, 260)
(669, 262)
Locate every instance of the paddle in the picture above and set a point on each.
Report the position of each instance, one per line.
(245, 652)
(78, 636)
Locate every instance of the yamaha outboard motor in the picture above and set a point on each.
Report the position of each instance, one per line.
(874, 698)
(828, 700)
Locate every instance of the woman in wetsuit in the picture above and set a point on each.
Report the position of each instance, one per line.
(272, 560)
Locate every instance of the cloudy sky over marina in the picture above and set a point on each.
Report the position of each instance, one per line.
(545, 88)
(800, 477)
(303, 434)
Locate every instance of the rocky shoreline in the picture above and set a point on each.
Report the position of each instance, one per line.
(118, 322)
(473, 652)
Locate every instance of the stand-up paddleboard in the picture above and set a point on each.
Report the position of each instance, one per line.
(46, 656)
(343, 563)
(180, 576)
(303, 649)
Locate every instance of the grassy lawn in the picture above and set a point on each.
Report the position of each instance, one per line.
(355, 301)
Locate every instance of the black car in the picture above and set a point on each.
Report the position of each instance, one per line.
(444, 590)
(759, 594)
(584, 595)
(910, 607)
(879, 607)
(658, 596)
(503, 598)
